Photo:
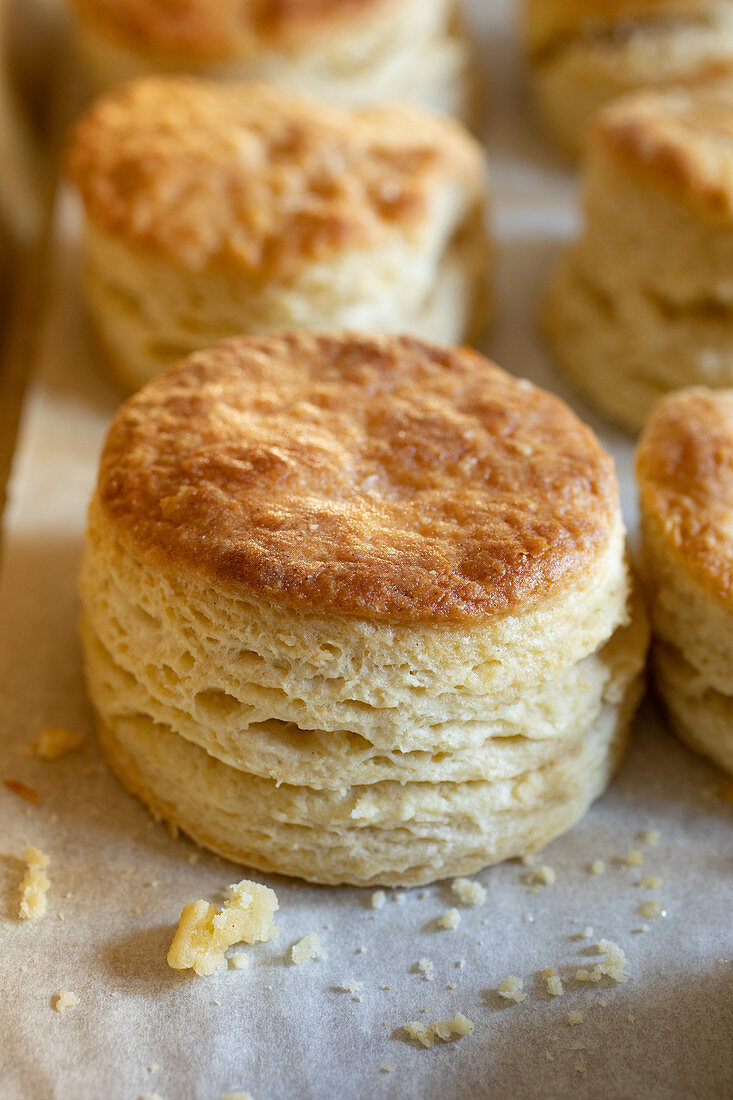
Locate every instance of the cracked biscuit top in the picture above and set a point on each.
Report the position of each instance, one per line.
(255, 178)
(372, 477)
(680, 140)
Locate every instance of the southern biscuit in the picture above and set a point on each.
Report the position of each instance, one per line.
(685, 473)
(347, 52)
(643, 303)
(585, 53)
(214, 210)
(357, 608)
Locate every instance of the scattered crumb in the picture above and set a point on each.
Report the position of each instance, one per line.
(451, 985)
(52, 743)
(426, 968)
(449, 919)
(528, 859)
(549, 1057)
(193, 858)
(580, 1068)
(543, 876)
(597, 867)
(554, 1038)
(426, 1034)
(387, 1069)
(459, 964)
(651, 910)
(649, 837)
(205, 932)
(638, 931)
(238, 961)
(468, 892)
(308, 948)
(237, 1096)
(511, 989)
(152, 1096)
(553, 983)
(21, 789)
(64, 1000)
(630, 1017)
(153, 1068)
(651, 882)
(575, 1018)
(136, 910)
(527, 918)
(378, 899)
(585, 934)
(385, 987)
(577, 1046)
(612, 966)
(127, 871)
(35, 884)
(351, 987)
(635, 858)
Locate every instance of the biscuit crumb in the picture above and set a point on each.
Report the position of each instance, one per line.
(652, 882)
(52, 743)
(308, 948)
(575, 1018)
(351, 987)
(152, 1096)
(543, 876)
(597, 867)
(635, 858)
(426, 968)
(378, 899)
(426, 1034)
(387, 1069)
(585, 934)
(205, 932)
(549, 1057)
(193, 858)
(238, 961)
(651, 910)
(35, 884)
(651, 836)
(511, 989)
(21, 789)
(64, 1000)
(612, 966)
(449, 919)
(468, 892)
(238, 1096)
(527, 918)
(553, 982)
(580, 1068)
(528, 859)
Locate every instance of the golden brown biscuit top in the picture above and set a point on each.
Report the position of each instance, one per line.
(680, 140)
(219, 30)
(376, 477)
(685, 469)
(254, 176)
(551, 22)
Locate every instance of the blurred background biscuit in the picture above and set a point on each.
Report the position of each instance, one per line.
(357, 608)
(214, 210)
(345, 52)
(685, 474)
(643, 303)
(585, 53)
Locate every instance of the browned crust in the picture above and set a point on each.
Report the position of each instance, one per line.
(684, 466)
(549, 20)
(376, 477)
(225, 29)
(680, 140)
(254, 177)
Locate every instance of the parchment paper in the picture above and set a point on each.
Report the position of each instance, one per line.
(119, 880)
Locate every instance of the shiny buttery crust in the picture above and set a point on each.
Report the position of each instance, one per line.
(364, 476)
(252, 178)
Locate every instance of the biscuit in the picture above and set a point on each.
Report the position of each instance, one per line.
(585, 53)
(345, 52)
(214, 210)
(357, 608)
(685, 473)
(643, 303)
